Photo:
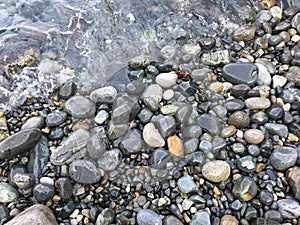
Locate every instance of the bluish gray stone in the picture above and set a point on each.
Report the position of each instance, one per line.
(186, 184)
(289, 208)
(67, 90)
(97, 143)
(205, 146)
(240, 73)
(64, 187)
(106, 217)
(115, 131)
(278, 129)
(135, 87)
(56, 118)
(43, 192)
(166, 125)
(84, 172)
(33, 122)
(193, 131)
(110, 159)
(80, 107)
(246, 164)
(56, 133)
(145, 115)
(201, 218)
(132, 142)
(209, 123)
(234, 104)
(104, 95)
(283, 158)
(190, 145)
(101, 117)
(148, 217)
(24, 180)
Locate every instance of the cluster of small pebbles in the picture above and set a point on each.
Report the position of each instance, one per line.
(208, 134)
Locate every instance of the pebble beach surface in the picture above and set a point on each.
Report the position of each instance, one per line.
(206, 133)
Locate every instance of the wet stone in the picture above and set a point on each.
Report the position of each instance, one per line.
(245, 189)
(201, 218)
(101, 117)
(106, 217)
(186, 184)
(240, 90)
(110, 159)
(171, 220)
(293, 177)
(287, 117)
(33, 122)
(43, 192)
(121, 114)
(159, 155)
(19, 143)
(240, 73)
(253, 150)
(175, 146)
(104, 95)
(193, 131)
(259, 118)
(244, 33)
(187, 88)
(228, 131)
(238, 148)
(239, 119)
(216, 171)
(115, 131)
(73, 147)
(229, 220)
(166, 80)
(13, 171)
(199, 74)
(64, 187)
(136, 74)
(184, 113)
(152, 93)
(145, 115)
(275, 112)
(4, 214)
(296, 22)
(254, 136)
(266, 197)
(135, 87)
(264, 77)
(216, 58)
(97, 143)
(246, 164)
(148, 217)
(209, 123)
(257, 103)
(287, 96)
(220, 111)
(273, 215)
(84, 172)
(289, 208)
(277, 129)
(293, 75)
(56, 118)
(234, 105)
(274, 40)
(8, 193)
(56, 133)
(67, 90)
(152, 137)
(24, 180)
(132, 142)
(166, 125)
(80, 107)
(283, 158)
(40, 214)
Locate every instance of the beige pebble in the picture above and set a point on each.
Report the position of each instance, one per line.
(175, 146)
(228, 131)
(229, 220)
(293, 137)
(216, 87)
(254, 136)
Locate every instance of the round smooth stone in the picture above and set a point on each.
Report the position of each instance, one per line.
(254, 136)
(56, 118)
(245, 189)
(216, 171)
(168, 94)
(104, 95)
(283, 158)
(234, 104)
(148, 217)
(289, 208)
(239, 119)
(166, 80)
(257, 103)
(275, 112)
(80, 107)
(84, 172)
(43, 192)
(244, 33)
(186, 184)
(240, 73)
(246, 164)
(33, 122)
(201, 217)
(172, 220)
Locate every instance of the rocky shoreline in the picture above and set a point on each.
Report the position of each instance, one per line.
(208, 133)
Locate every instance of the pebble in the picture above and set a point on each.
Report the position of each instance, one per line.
(257, 103)
(266, 197)
(278, 81)
(43, 192)
(216, 58)
(296, 21)
(168, 94)
(275, 112)
(101, 117)
(8, 193)
(4, 214)
(38, 213)
(245, 189)
(64, 187)
(84, 172)
(169, 109)
(152, 93)
(80, 107)
(166, 125)
(115, 131)
(293, 75)
(104, 95)
(132, 142)
(148, 217)
(216, 171)
(56, 133)
(175, 146)
(73, 147)
(56, 118)
(24, 180)
(239, 119)
(289, 208)
(145, 115)
(106, 217)
(228, 131)
(240, 90)
(166, 80)
(246, 164)
(110, 159)
(97, 142)
(234, 105)
(244, 33)
(152, 137)
(293, 177)
(186, 184)
(209, 123)
(193, 131)
(199, 75)
(264, 77)
(240, 73)
(33, 122)
(135, 87)
(283, 158)
(238, 148)
(277, 129)
(254, 136)
(19, 143)
(67, 90)
(201, 217)
(229, 220)
(171, 220)
(216, 87)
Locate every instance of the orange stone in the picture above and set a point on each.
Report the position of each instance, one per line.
(229, 220)
(175, 146)
(228, 131)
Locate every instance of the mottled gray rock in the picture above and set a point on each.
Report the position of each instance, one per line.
(278, 129)
(148, 217)
(152, 94)
(216, 58)
(199, 75)
(183, 113)
(240, 73)
(84, 172)
(65, 188)
(264, 77)
(110, 159)
(67, 90)
(104, 95)
(80, 107)
(106, 217)
(101, 117)
(193, 131)
(8, 193)
(166, 125)
(97, 143)
(135, 87)
(209, 123)
(186, 184)
(245, 189)
(201, 218)
(19, 143)
(24, 180)
(43, 192)
(283, 158)
(257, 103)
(56, 118)
(145, 115)
(132, 142)
(73, 147)
(115, 131)
(289, 208)
(234, 104)
(239, 119)
(121, 114)
(40, 214)
(246, 164)
(33, 122)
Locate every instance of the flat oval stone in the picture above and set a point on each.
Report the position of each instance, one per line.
(148, 217)
(209, 123)
(33, 122)
(201, 218)
(283, 158)
(152, 137)
(234, 104)
(43, 192)
(239, 119)
(289, 208)
(254, 136)
(84, 172)
(216, 171)
(240, 73)
(228, 131)
(8, 193)
(73, 147)
(19, 143)
(166, 80)
(56, 118)
(110, 159)
(278, 129)
(105, 95)
(80, 107)
(245, 189)
(257, 103)
(244, 33)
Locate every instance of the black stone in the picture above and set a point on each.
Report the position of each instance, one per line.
(4, 214)
(234, 105)
(275, 112)
(207, 43)
(67, 90)
(240, 90)
(67, 210)
(64, 187)
(240, 73)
